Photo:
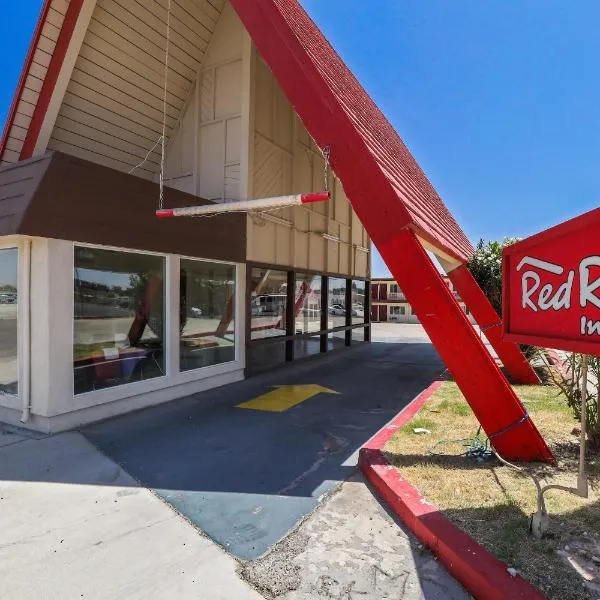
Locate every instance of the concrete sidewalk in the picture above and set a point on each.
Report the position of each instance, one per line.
(74, 525)
(351, 548)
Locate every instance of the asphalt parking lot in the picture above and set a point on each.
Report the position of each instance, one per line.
(246, 475)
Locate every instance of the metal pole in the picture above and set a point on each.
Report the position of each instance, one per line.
(582, 484)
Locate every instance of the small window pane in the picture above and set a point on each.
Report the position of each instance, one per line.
(359, 335)
(337, 302)
(9, 365)
(336, 339)
(268, 302)
(207, 308)
(266, 356)
(307, 303)
(307, 346)
(358, 302)
(118, 333)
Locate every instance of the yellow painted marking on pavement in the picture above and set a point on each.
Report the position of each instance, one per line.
(284, 397)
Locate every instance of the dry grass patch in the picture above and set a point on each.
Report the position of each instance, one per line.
(492, 502)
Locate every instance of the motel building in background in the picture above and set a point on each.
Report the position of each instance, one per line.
(389, 303)
(103, 307)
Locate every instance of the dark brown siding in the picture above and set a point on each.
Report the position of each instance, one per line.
(17, 186)
(80, 201)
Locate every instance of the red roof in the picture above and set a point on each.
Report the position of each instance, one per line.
(384, 183)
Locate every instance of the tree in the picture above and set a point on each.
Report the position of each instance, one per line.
(486, 268)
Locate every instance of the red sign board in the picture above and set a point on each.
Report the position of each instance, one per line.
(551, 287)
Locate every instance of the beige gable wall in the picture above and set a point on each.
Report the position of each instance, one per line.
(248, 143)
(112, 111)
(285, 160)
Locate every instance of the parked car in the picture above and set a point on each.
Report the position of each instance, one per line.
(337, 309)
(8, 298)
(358, 310)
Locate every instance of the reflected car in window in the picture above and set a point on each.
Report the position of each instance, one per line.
(337, 309)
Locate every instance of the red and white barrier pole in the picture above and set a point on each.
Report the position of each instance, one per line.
(243, 205)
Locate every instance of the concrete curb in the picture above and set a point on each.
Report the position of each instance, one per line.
(482, 574)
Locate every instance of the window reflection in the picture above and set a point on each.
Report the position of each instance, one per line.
(307, 303)
(337, 302)
(207, 314)
(358, 302)
(268, 303)
(9, 366)
(118, 334)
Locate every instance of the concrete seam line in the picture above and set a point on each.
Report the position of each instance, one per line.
(482, 574)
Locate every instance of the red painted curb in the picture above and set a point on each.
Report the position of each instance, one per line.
(482, 574)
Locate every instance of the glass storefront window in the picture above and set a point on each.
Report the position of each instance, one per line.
(268, 303)
(118, 334)
(358, 302)
(307, 346)
(359, 335)
(207, 309)
(307, 303)
(336, 302)
(9, 365)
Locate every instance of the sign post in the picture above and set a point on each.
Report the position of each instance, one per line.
(582, 482)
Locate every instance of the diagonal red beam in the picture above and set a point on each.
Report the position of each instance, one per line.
(487, 318)
(321, 90)
(487, 391)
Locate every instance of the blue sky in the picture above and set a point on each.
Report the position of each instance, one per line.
(498, 101)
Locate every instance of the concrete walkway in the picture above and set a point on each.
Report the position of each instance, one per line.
(74, 525)
(352, 549)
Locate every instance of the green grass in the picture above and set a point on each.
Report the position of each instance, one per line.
(422, 422)
(492, 502)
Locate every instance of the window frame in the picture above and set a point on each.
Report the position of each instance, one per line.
(173, 375)
(20, 245)
(236, 294)
(324, 331)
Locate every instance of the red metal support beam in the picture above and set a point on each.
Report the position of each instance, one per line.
(487, 318)
(391, 196)
(487, 391)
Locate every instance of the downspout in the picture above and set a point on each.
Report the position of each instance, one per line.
(25, 307)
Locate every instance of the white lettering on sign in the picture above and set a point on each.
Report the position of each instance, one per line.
(536, 297)
(589, 327)
(547, 298)
(586, 290)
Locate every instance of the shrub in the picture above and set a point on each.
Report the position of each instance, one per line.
(486, 268)
(572, 394)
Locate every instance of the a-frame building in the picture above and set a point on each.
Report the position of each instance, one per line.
(253, 95)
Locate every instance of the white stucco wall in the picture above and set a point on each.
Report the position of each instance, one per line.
(54, 407)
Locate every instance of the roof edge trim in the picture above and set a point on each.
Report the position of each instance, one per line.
(10, 118)
(49, 85)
